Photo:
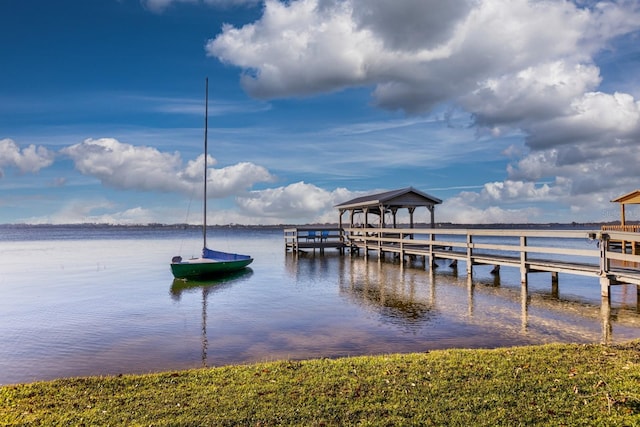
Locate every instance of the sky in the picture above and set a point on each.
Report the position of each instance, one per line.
(510, 111)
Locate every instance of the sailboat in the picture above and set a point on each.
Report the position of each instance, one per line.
(212, 263)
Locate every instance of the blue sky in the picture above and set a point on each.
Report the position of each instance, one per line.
(507, 110)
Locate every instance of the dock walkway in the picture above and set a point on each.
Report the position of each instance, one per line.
(584, 252)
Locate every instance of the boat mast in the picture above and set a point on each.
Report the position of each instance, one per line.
(206, 125)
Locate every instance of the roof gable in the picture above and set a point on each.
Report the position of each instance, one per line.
(403, 197)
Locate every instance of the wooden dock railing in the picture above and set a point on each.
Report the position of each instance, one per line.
(321, 238)
(626, 246)
(588, 253)
(594, 253)
(627, 228)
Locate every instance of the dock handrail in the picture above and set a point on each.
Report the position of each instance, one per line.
(594, 253)
(529, 250)
(625, 228)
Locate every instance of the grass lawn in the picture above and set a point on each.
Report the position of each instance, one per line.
(543, 385)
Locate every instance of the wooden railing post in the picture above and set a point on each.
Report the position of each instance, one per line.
(469, 253)
(524, 268)
(431, 242)
(605, 265)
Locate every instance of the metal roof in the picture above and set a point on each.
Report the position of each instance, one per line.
(404, 197)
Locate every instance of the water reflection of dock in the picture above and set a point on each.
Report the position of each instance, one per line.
(415, 299)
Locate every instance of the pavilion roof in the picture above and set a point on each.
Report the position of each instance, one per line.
(629, 198)
(402, 198)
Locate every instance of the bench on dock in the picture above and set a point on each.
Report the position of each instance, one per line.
(301, 238)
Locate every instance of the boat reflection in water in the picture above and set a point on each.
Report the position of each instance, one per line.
(180, 286)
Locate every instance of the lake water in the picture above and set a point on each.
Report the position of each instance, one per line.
(102, 301)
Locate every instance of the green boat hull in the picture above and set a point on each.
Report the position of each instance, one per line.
(203, 269)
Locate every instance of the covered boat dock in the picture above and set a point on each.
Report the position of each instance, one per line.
(388, 203)
(373, 226)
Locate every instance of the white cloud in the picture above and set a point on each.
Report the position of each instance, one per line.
(125, 166)
(236, 178)
(129, 167)
(465, 209)
(28, 160)
(294, 200)
(536, 93)
(311, 46)
(514, 65)
(298, 202)
(593, 147)
(294, 50)
(593, 117)
(515, 190)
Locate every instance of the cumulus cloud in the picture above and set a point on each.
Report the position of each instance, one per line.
(128, 167)
(299, 201)
(513, 65)
(418, 53)
(457, 210)
(28, 160)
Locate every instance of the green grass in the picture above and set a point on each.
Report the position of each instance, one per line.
(544, 385)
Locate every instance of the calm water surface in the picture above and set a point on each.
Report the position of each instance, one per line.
(83, 301)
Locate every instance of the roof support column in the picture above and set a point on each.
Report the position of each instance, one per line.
(411, 211)
(394, 211)
(433, 216)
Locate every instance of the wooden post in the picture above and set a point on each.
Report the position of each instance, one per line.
(411, 210)
(605, 315)
(432, 261)
(366, 217)
(605, 281)
(342, 240)
(524, 269)
(433, 216)
(524, 305)
(554, 283)
(623, 223)
(605, 285)
(470, 294)
(469, 254)
(604, 261)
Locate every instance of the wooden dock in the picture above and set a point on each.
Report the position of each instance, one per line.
(321, 238)
(587, 253)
